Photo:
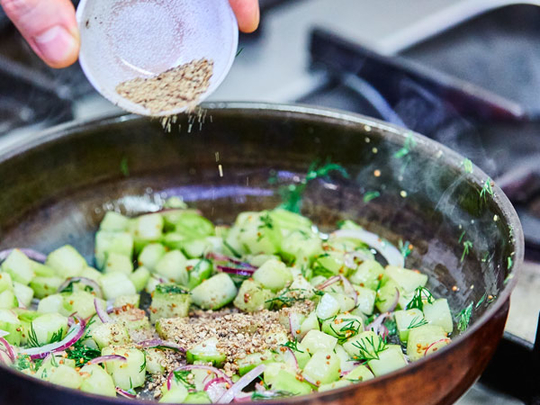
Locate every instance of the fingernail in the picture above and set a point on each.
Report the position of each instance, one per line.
(56, 44)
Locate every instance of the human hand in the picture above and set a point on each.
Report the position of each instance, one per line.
(49, 26)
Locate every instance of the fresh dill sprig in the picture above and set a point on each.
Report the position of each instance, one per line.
(409, 143)
(368, 349)
(293, 345)
(239, 52)
(464, 318)
(416, 322)
(350, 328)
(143, 365)
(371, 195)
(510, 262)
(256, 395)
(481, 300)
(293, 193)
(181, 376)
(467, 165)
(287, 299)
(391, 326)
(405, 248)
(32, 337)
(486, 190)
(461, 237)
(57, 336)
(233, 250)
(467, 246)
(421, 294)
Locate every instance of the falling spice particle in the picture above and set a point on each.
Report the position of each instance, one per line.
(377, 173)
(220, 168)
(175, 88)
(403, 194)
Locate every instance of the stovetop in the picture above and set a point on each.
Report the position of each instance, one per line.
(473, 87)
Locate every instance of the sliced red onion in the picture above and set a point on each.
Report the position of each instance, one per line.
(329, 282)
(242, 383)
(73, 335)
(4, 358)
(109, 357)
(383, 331)
(349, 257)
(309, 380)
(9, 349)
(217, 380)
(235, 270)
(84, 281)
(152, 343)
(30, 253)
(3, 333)
(349, 289)
(243, 397)
(101, 313)
(295, 324)
(290, 358)
(348, 366)
(377, 322)
(125, 393)
(216, 391)
(433, 347)
(392, 254)
(222, 258)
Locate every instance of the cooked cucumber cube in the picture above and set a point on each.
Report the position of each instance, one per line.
(316, 341)
(8, 300)
(366, 299)
(19, 267)
(116, 284)
(343, 326)
(81, 302)
(200, 397)
(282, 377)
(129, 374)
(118, 263)
(252, 297)
(151, 255)
(251, 361)
(438, 313)
(173, 266)
(310, 323)
(334, 385)
(114, 222)
(112, 242)
(390, 359)
(193, 225)
(66, 261)
(155, 361)
(45, 286)
(92, 274)
(301, 247)
(97, 381)
(329, 264)
(215, 292)
(140, 278)
(368, 274)
(323, 367)
(23, 293)
(6, 282)
(273, 275)
(359, 374)
(199, 270)
(207, 352)
(387, 296)
(328, 307)
(364, 345)
(127, 301)
(256, 233)
(49, 328)
(176, 395)
(67, 377)
(407, 320)
(110, 334)
(169, 301)
(10, 323)
(421, 338)
(146, 229)
(408, 280)
(51, 304)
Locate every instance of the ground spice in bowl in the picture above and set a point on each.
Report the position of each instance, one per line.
(175, 88)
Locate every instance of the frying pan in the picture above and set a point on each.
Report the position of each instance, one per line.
(56, 189)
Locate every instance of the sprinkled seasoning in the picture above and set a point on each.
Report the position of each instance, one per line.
(175, 88)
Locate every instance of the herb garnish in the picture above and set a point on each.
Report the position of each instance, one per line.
(371, 195)
(481, 300)
(170, 289)
(293, 193)
(421, 294)
(368, 349)
(181, 376)
(464, 317)
(256, 395)
(405, 248)
(293, 345)
(467, 246)
(350, 328)
(486, 190)
(124, 166)
(233, 250)
(467, 165)
(286, 299)
(416, 322)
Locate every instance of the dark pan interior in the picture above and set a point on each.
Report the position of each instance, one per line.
(56, 190)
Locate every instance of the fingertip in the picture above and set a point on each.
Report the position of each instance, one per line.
(57, 46)
(247, 13)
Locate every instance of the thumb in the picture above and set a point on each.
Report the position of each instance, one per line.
(49, 26)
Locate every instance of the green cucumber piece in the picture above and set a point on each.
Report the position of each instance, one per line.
(251, 361)
(146, 229)
(129, 374)
(23, 293)
(40, 270)
(177, 395)
(282, 377)
(387, 295)
(273, 275)
(52, 304)
(169, 301)
(252, 297)
(368, 274)
(359, 374)
(310, 323)
(173, 267)
(109, 334)
(66, 261)
(257, 233)
(199, 270)
(328, 307)
(215, 292)
(155, 361)
(112, 242)
(193, 225)
(127, 300)
(8, 300)
(67, 377)
(118, 263)
(343, 326)
(92, 274)
(366, 300)
(390, 359)
(408, 280)
(97, 381)
(10, 323)
(301, 247)
(49, 327)
(369, 341)
(438, 313)
(206, 352)
(421, 338)
(316, 341)
(140, 278)
(116, 284)
(45, 286)
(407, 320)
(151, 255)
(200, 397)
(114, 222)
(6, 282)
(19, 267)
(323, 367)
